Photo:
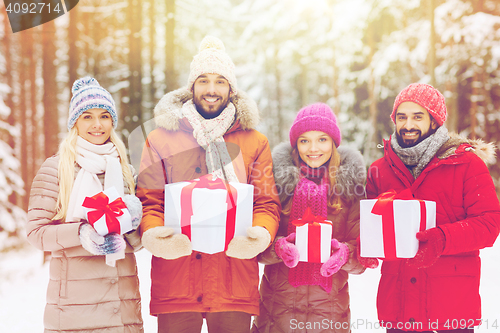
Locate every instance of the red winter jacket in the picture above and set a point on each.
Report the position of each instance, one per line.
(445, 295)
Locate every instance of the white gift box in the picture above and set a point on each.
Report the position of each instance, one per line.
(401, 231)
(107, 213)
(208, 217)
(314, 242)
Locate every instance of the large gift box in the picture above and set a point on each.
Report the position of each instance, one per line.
(107, 212)
(390, 223)
(313, 238)
(210, 212)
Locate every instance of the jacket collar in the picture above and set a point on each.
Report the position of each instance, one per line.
(455, 148)
(168, 111)
(452, 152)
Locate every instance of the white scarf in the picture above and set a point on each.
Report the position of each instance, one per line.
(93, 160)
(209, 133)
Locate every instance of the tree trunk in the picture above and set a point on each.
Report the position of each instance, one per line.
(474, 98)
(371, 144)
(152, 50)
(73, 56)
(170, 73)
(34, 134)
(277, 75)
(51, 116)
(432, 45)
(24, 142)
(133, 116)
(11, 118)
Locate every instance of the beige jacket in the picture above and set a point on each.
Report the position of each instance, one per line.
(84, 294)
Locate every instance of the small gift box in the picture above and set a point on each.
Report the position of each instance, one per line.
(313, 238)
(390, 223)
(210, 212)
(107, 212)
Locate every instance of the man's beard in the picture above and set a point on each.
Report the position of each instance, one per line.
(212, 112)
(421, 138)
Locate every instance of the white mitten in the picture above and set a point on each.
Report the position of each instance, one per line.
(162, 242)
(247, 247)
(134, 206)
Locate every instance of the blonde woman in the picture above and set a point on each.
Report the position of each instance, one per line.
(84, 293)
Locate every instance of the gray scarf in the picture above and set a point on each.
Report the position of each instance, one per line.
(417, 157)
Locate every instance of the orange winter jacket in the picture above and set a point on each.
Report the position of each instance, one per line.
(204, 282)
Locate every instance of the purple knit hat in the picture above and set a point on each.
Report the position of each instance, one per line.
(427, 97)
(315, 117)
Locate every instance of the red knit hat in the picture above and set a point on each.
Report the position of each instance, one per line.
(315, 117)
(427, 97)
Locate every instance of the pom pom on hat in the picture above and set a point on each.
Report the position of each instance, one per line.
(315, 117)
(88, 94)
(212, 59)
(211, 42)
(427, 97)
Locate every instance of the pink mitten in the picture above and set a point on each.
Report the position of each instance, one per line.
(287, 251)
(365, 262)
(338, 258)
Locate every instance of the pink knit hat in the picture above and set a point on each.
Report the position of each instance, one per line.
(315, 117)
(427, 97)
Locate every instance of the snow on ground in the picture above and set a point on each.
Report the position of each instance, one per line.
(23, 283)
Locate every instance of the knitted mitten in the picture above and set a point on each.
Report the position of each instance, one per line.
(134, 206)
(163, 243)
(100, 245)
(287, 251)
(247, 247)
(365, 262)
(338, 258)
(432, 242)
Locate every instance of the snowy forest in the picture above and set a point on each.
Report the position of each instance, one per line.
(354, 55)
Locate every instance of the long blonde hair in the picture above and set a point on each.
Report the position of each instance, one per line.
(334, 200)
(66, 169)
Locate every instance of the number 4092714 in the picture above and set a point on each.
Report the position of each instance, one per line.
(31, 8)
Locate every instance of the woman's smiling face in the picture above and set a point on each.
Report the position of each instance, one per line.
(315, 148)
(95, 126)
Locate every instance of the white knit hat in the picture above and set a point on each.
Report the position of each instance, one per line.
(212, 59)
(88, 94)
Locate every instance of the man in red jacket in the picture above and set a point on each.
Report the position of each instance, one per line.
(438, 289)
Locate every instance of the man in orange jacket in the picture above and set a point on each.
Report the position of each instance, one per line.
(206, 128)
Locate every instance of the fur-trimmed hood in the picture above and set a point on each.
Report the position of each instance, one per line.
(168, 111)
(485, 151)
(351, 176)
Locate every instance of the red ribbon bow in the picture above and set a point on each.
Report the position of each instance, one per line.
(310, 218)
(385, 207)
(313, 232)
(187, 205)
(100, 202)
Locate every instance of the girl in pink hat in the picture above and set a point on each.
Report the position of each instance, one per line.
(314, 174)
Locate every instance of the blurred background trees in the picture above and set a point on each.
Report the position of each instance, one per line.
(354, 55)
